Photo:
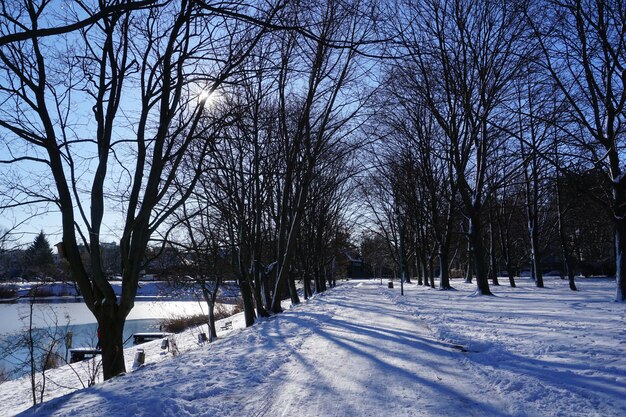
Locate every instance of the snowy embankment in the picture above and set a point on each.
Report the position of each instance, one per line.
(363, 350)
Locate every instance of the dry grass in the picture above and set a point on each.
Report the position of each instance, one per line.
(178, 324)
(42, 291)
(50, 361)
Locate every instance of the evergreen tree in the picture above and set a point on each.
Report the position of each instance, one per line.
(38, 258)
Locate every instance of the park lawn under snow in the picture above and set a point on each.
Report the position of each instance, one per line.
(363, 350)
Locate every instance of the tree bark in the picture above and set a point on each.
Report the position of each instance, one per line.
(444, 274)
(293, 292)
(493, 266)
(475, 237)
(568, 264)
(620, 261)
(619, 209)
(259, 279)
(307, 285)
(431, 271)
(469, 272)
(535, 258)
(418, 267)
(426, 267)
(112, 344)
(267, 285)
(248, 306)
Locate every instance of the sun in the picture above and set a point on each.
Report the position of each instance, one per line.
(208, 97)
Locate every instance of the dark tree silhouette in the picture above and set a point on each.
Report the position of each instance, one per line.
(39, 258)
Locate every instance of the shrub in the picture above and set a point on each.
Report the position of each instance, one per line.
(177, 324)
(49, 361)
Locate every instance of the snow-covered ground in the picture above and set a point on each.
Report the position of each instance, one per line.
(363, 350)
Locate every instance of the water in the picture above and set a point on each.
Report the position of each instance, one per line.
(58, 318)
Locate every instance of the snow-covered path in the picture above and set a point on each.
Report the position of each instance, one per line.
(369, 359)
(362, 350)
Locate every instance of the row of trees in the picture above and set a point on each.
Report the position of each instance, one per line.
(494, 114)
(229, 131)
(214, 129)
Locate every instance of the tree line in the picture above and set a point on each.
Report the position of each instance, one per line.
(243, 133)
(499, 120)
(215, 129)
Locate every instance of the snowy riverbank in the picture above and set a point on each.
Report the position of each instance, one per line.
(363, 350)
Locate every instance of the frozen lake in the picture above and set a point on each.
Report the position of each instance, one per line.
(14, 317)
(75, 317)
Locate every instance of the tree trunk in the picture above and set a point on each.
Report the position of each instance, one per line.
(493, 266)
(427, 267)
(535, 257)
(509, 270)
(267, 286)
(568, 264)
(469, 272)
(317, 280)
(444, 275)
(112, 345)
(248, 306)
(620, 259)
(506, 254)
(259, 280)
(209, 298)
(30, 341)
(293, 291)
(418, 268)
(307, 285)
(475, 237)
(281, 288)
(211, 322)
(571, 279)
(431, 270)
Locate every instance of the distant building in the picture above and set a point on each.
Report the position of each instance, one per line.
(355, 266)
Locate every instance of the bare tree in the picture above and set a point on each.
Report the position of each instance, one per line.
(35, 350)
(324, 233)
(566, 248)
(392, 194)
(464, 56)
(507, 214)
(205, 259)
(167, 61)
(316, 117)
(420, 139)
(584, 50)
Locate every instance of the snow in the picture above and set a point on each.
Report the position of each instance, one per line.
(361, 349)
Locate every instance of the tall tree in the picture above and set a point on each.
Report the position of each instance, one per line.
(313, 118)
(584, 50)
(463, 57)
(146, 76)
(422, 143)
